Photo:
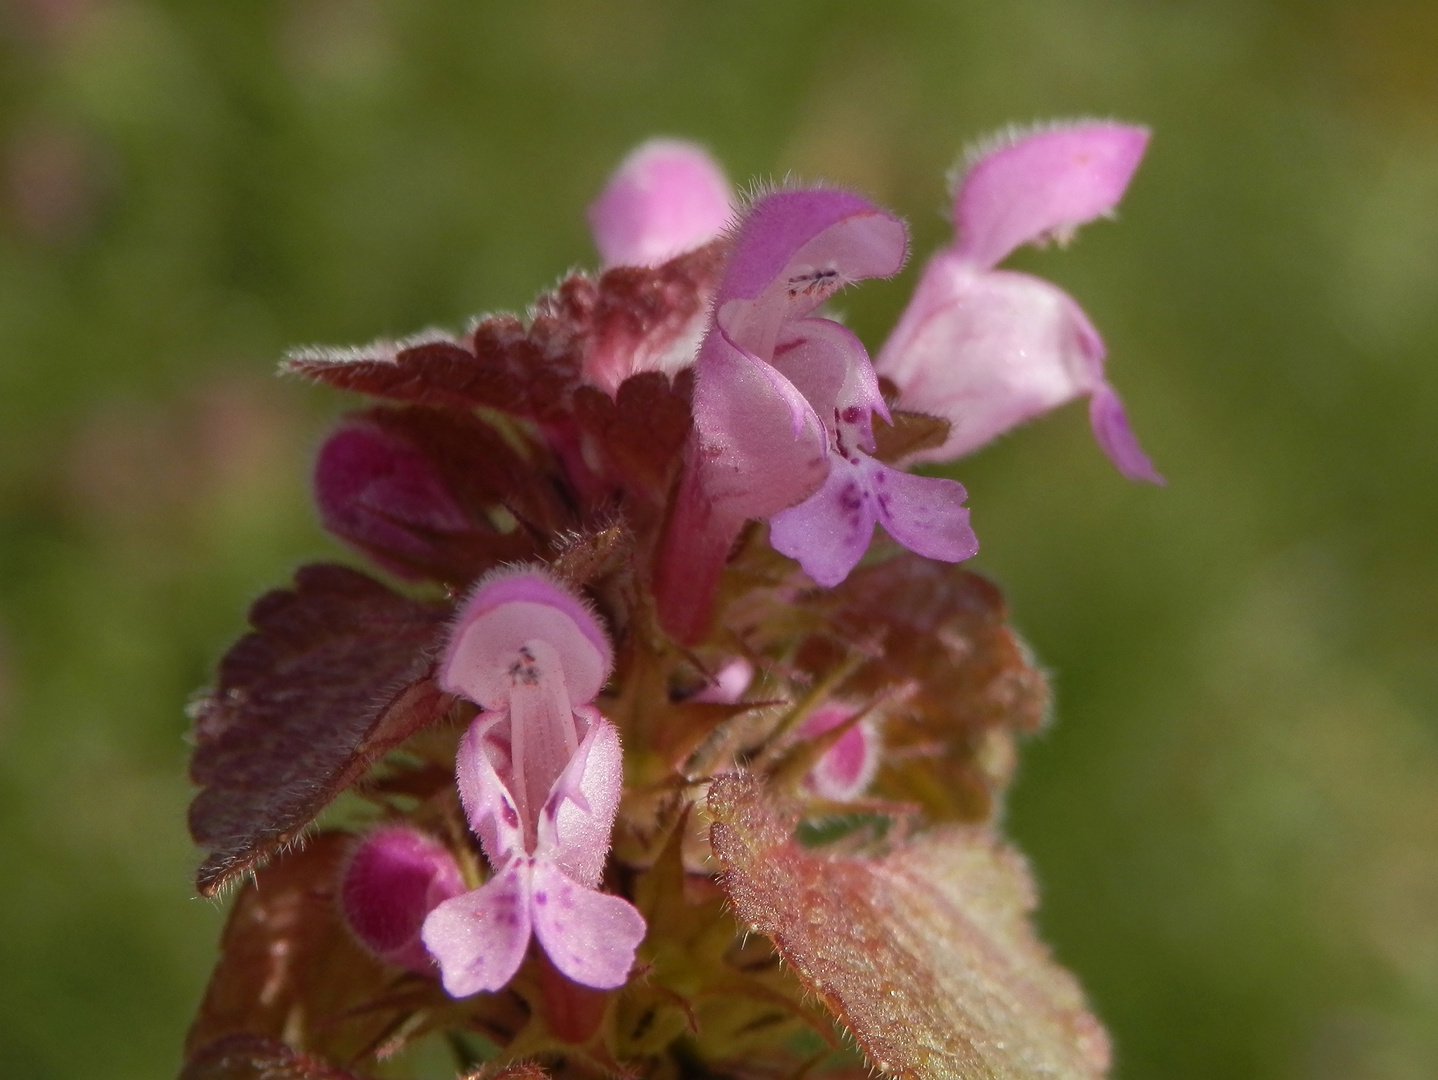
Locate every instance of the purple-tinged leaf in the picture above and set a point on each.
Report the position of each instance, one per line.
(965, 685)
(335, 675)
(289, 968)
(599, 331)
(637, 434)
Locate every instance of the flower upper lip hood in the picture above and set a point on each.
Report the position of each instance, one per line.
(794, 250)
(988, 349)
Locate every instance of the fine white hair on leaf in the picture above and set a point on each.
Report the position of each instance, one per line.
(381, 350)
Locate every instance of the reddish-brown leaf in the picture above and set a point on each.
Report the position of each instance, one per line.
(253, 1057)
(289, 969)
(925, 955)
(639, 433)
(598, 331)
(939, 637)
(334, 676)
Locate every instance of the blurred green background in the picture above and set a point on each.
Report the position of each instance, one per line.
(1235, 818)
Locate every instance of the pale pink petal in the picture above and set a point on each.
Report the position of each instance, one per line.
(1110, 428)
(848, 767)
(578, 817)
(760, 445)
(988, 351)
(376, 491)
(818, 228)
(488, 803)
(506, 610)
(543, 734)
(479, 939)
(393, 879)
(665, 198)
(829, 365)
(590, 936)
(924, 513)
(830, 531)
(730, 682)
(1043, 184)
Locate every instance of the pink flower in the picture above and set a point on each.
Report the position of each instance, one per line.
(847, 768)
(989, 349)
(540, 775)
(394, 878)
(764, 372)
(667, 197)
(830, 531)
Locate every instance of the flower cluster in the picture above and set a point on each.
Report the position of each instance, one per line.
(643, 514)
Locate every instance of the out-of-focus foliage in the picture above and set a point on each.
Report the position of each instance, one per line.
(1235, 819)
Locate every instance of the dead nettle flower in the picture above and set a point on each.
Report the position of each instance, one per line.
(540, 775)
(987, 349)
(783, 403)
(394, 878)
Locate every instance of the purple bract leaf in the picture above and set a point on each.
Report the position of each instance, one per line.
(254, 1057)
(600, 331)
(417, 490)
(334, 676)
(290, 969)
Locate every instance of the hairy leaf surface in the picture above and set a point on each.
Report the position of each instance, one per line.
(963, 681)
(622, 322)
(925, 955)
(332, 678)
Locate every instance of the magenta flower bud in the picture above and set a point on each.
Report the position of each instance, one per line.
(989, 349)
(394, 878)
(540, 774)
(847, 768)
(377, 492)
(666, 198)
